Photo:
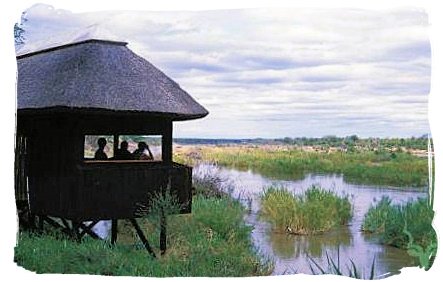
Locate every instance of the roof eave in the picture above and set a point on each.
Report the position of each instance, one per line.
(101, 111)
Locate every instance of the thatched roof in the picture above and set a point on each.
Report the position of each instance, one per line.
(99, 76)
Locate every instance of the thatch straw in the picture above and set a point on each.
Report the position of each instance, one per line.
(98, 75)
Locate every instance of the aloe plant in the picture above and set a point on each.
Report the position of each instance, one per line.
(333, 267)
(425, 255)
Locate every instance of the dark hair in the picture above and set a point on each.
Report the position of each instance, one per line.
(142, 145)
(101, 142)
(124, 145)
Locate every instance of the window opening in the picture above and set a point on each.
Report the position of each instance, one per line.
(99, 147)
(142, 147)
(129, 147)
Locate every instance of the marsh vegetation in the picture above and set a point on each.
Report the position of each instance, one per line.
(313, 212)
(407, 226)
(292, 163)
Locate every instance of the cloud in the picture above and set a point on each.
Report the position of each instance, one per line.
(279, 72)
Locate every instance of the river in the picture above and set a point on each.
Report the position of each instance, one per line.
(289, 252)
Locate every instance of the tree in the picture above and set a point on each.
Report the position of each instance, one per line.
(19, 30)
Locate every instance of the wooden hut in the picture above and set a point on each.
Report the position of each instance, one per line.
(95, 87)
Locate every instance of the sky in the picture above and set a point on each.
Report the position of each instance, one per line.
(275, 72)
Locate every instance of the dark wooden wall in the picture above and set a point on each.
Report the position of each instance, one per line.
(62, 184)
(20, 165)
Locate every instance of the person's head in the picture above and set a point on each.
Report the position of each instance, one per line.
(124, 145)
(101, 143)
(142, 145)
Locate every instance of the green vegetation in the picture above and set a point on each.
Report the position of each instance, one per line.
(350, 143)
(426, 255)
(375, 168)
(406, 226)
(313, 212)
(334, 267)
(389, 220)
(212, 241)
(353, 142)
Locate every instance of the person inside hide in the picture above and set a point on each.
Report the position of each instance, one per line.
(123, 152)
(143, 152)
(100, 153)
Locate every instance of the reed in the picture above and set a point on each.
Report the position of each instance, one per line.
(366, 167)
(388, 221)
(315, 211)
(406, 226)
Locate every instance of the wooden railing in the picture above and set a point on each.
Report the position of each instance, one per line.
(114, 189)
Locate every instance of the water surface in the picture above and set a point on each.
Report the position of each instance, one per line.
(290, 253)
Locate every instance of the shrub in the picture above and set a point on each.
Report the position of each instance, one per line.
(313, 212)
(389, 220)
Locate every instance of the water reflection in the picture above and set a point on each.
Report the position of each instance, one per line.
(286, 246)
(290, 252)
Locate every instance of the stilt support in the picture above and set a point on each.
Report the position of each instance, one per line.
(142, 237)
(162, 233)
(88, 230)
(114, 231)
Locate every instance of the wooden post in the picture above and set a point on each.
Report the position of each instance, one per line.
(88, 230)
(142, 236)
(167, 160)
(163, 221)
(116, 137)
(76, 230)
(167, 143)
(114, 230)
(40, 223)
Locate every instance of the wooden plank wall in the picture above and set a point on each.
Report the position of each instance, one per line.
(62, 184)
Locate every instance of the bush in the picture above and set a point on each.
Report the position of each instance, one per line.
(389, 221)
(313, 212)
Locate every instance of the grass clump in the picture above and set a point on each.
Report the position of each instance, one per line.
(315, 211)
(406, 226)
(388, 221)
(209, 185)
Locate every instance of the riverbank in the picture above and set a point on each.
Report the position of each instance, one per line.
(293, 163)
(212, 241)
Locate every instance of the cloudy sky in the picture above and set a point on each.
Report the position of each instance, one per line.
(277, 72)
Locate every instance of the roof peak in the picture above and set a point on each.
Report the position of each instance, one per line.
(49, 49)
(90, 33)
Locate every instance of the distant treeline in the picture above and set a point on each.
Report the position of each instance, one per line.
(420, 143)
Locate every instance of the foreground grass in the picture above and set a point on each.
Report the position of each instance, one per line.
(375, 168)
(334, 267)
(406, 226)
(313, 212)
(212, 241)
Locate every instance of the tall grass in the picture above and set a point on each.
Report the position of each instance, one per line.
(209, 184)
(388, 220)
(377, 168)
(313, 212)
(212, 241)
(406, 226)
